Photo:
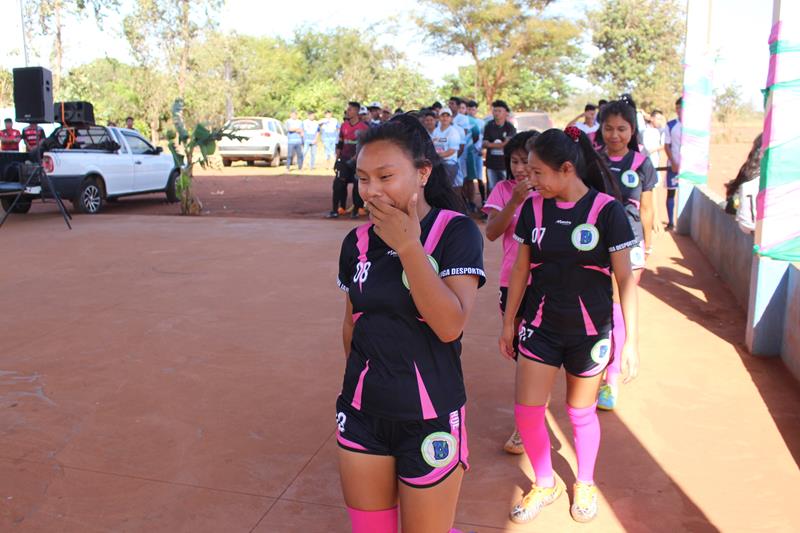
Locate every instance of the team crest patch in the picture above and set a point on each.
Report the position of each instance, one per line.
(630, 178)
(601, 351)
(637, 256)
(434, 264)
(585, 237)
(439, 449)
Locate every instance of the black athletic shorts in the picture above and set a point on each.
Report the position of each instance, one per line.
(504, 299)
(426, 451)
(581, 355)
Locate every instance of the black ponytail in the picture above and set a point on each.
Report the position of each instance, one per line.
(625, 107)
(406, 132)
(554, 148)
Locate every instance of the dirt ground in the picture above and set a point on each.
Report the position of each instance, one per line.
(171, 374)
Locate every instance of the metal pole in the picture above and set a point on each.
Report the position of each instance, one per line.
(24, 33)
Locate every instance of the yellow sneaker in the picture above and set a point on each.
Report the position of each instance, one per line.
(514, 444)
(584, 506)
(533, 502)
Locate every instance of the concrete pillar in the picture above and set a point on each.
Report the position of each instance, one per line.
(778, 213)
(697, 108)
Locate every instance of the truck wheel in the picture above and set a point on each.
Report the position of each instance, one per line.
(89, 199)
(276, 159)
(226, 162)
(22, 207)
(172, 188)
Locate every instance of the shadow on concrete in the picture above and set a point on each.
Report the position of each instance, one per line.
(721, 315)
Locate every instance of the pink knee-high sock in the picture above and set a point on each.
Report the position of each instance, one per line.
(536, 440)
(586, 431)
(373, 521)
(617, 341)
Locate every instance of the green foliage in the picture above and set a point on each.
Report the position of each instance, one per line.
(728, 103)
(640, 44)
(6, 88)
(202, 139)
(517, 50)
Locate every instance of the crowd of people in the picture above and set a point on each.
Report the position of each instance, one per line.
(575, 211)
(29, 137)
(471, 147)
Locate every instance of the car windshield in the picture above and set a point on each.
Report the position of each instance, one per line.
(246, 124)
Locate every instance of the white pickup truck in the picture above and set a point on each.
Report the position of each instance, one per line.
(89, 165)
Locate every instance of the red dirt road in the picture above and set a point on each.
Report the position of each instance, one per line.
(179, 374)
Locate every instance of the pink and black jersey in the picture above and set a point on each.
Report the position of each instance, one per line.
(398, 369)
(635, 174)
(570, 245)
(498, 199)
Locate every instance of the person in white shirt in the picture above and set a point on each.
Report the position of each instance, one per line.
(672, 146)
(589, 124)
(653, 139)
(329, 132)
(742, 191)
(447, 141)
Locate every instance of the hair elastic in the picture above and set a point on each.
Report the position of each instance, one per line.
(573, 133)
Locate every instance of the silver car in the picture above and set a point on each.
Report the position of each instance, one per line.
(264, 140)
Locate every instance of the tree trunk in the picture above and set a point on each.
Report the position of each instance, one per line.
(58, 50)
(185, 38)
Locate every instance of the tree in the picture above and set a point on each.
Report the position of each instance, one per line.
(171, 26)
(6, 88)
(727, 103)
(511, 42)
(640, 44)
(46, 17)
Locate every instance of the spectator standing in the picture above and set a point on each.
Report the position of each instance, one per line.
(386, 114)
(653, 140)
(329, 132)
(672, 146)
(32, 135)
(477, 156)
(743, 190)
(374, 114)
(496, 135)
(436, 107)
(363, 115)
(345, 167)
(294, 129)
(310, 133)
(447, 140)
(429, 121)
(10, 137)
(589, 125)
(129, 123)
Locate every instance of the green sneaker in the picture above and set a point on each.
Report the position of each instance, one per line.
(607, 399)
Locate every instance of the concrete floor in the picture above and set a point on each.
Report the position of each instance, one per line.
(166, 374)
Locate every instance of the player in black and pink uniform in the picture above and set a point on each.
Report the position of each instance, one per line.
(502, 208)
(574, 236)
(617, 138)
(411, 276)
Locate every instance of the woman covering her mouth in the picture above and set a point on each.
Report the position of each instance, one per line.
(411, 276)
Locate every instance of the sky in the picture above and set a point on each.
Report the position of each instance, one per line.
(739, 33)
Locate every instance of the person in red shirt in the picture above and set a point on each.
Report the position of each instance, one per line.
(9, 137)
(32, 135)
(345, 167)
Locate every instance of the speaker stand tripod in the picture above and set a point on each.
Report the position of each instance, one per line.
(44, 179)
